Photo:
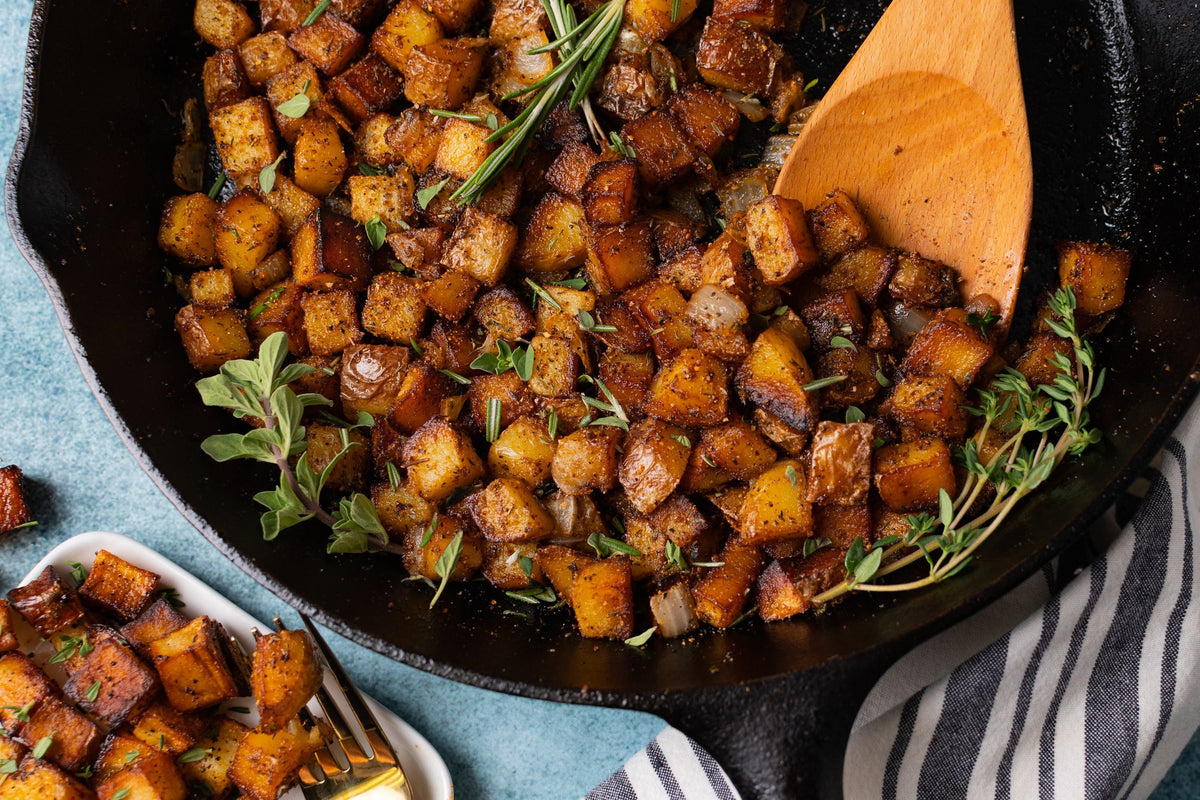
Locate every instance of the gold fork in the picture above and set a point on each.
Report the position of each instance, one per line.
(374, 777)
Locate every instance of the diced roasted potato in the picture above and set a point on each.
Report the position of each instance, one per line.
(371, 376)
(293, 205)
(838, 226)
(155, 622)
(224, 81)
(620, 256)
(330, 43)
(923, 282)
(286, 673)
(388, 197)
(265, 56)
(656, 454)
(14, 510)
(445, 73)
(722, 594)
(455, 15)
(507, 510)
(1036, 362)
(841, 525)
(47, 603)
(331, 321)
(162, 727)
(610, 192)
(554, 238)
(787, 587)
(451, 294)
(1096, 273)
(400, 509)
(439, 459)
(422, 559)
(690, 391)
(127, 685)
(524, 450)
(568, 172)
(267, 758)
(655, 20)
(555, 366)
(778, 236)
(840, 467)
(735, 56)
(352, 471)
(586, 460)
(949, 345)
(22, 684)
(777, 506)
(319, 156)
(664, 152)
(187, 230)
(35, 778)
(765, 15)
(930, 406)
(419, 397)
(406, 26)
(8, 639)
(910, 475)
(222, 23)
(709, 120)
(602, 597)
(118, 587)
(415, 136)
(628, 376)
(213, 770)
(330, 252)
(463, 148)
(192, 665)
(773, 377)
(245, 136)
(247, 231)
(507, 389)
(737, 448)
(211, 288)
(482, 246)
(394, 310)
(74, 739)
(511, 565)
(145, 779)
(866, 270)
(834, 313)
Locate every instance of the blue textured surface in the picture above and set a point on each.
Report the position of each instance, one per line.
(83, 479)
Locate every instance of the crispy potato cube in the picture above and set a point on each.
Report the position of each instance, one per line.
(949, 345)
(388, 197)
(247, 231)
(330, 43)
(778, 236)
(866, 270)
(211, 288)
(279, 308)
(773, 377)
(406, 26)
(352, 471)
(602, 598)
(451, 294)
(420, 560)
(36, 779)
(721, 595)
(445, 73)
(586, 460)
(504, 315)
(507, 388)
(620, 257)
(187, 229)
(709, 120)
(222, 23)
(838, 226)
(293, 205)
(360, 13)
(14, 511)
(482, 246)
(400, 509)
(664, 151)
(690, 391)
(931, 406)
(507, 510)
(910, 475)
(664, 313)
(841, 525)
(213, 770)
(127, 685)
(628, 376)
(145, 779)
(786, 588)
(504, 565)
(284, 15)
(738, 449)
(419, 397)
(835, 313)
(224, 81)
(840, 468)
(285, 675)
(1096, 273)
(735, 56)
(462, 148)
(320, 158)
(158, 620)
(162, 727)
(47, 603)
(371, 375)
(777, 506)
(655, 20)
(923, 282)
(555, 366)
(394, 310)
(554, 239)
(524, 451)
(679, 519)
(8, 639)
(418, 249)
(299, 79)
(245, 136)
(455, 15)
(265, 56)
(415, 135)
(22, 683)
(371, 144)
(74, 739)
(440, 458)
(765, 15)
(267, 758)
(1035, 363)
(610, 193)
(118, 587)
(331, 321)
(655, 458)
(569, 171)
(559, 565)
(192, 665)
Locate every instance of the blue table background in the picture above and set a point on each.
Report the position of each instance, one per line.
(82, 478)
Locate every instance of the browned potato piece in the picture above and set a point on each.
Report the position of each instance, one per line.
(187, 229)
(74, 739)
(866, 270)
(406, 26)
(245, 136)
(655, 20)
(950, 346)
(463, 148)
(610, 192)
(838, 226)
(602, 598)
(690, 391)
(504, 564)
(154, 623)
(247, 231)
(569, 170)
(415, 136)
(709, 120)
(834, 313)
(330, 252)
(8, 639)
(556, 367)
(14, 511)
(293, 205)
(286, 673)
(909, 475)
(331, 321)
(445, 73)
(787, 587)
(267, 758)
(777, 506)
(507, 510)
(211, 288)
(523, 450)
(420, 560)
(22, 683)
(840, 468)
(389, 197)
(1035, 363)
(773, 377)
(507, 389)
(455, 15)
(265, 56)
(40, 780)
(419, 397)
(371, 376)
(47, 603)
(162, 727)
(222, 23)
(1096, 273)
(931, 406)
(765, 15)
(663, 150)
(352, 471)
(656, 454)
(127, 685)
(451, 294)
(192, 666)
(620, 256)
(482, 246)
(554, 239)
(400, 509)
(320, 158)
(586, 460)
(737, 449)
(440, 458)
(118, 587)
(368, 87)
(778, 236)
(721, 595)
(213, 770)
(224, 81)
(924, 282)
(737, 57)
(841, 525)
(330, 43)
(119, 751)
(559, 565)
(145, 779)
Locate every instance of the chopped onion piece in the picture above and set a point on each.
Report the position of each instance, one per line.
(674, 610)
(776, 151)
(751, 109)
(717, 310)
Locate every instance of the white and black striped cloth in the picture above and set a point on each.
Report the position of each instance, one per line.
(1076, 685)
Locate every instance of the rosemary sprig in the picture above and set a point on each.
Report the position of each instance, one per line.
(260, 389)
(582, 49)
(1040, 426)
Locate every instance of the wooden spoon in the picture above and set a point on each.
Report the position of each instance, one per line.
(926, 129)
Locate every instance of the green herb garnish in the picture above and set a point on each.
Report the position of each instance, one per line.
(296, 106)
(426, 195)
(446, 563)
(215, 189)
(821, 383)
(605, 546)
(275, 294)
(193, 755)
(376, 232)
(42, 746)
(492, 423)
(79, 572)
(641, 638)
(266, 176)
(588, 323)
(93, 692)
(316, 13)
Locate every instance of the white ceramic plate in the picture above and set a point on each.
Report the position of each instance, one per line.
(424, 767)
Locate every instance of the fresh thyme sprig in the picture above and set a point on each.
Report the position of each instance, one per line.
(1039, 427)
(259, 389)
(582, 49)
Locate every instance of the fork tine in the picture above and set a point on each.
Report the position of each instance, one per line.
(366, 720)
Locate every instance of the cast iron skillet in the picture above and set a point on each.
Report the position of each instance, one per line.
(1112, 89)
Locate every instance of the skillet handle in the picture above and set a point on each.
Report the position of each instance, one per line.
(782, 739)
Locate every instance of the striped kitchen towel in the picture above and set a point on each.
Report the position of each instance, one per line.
(1081, 683)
